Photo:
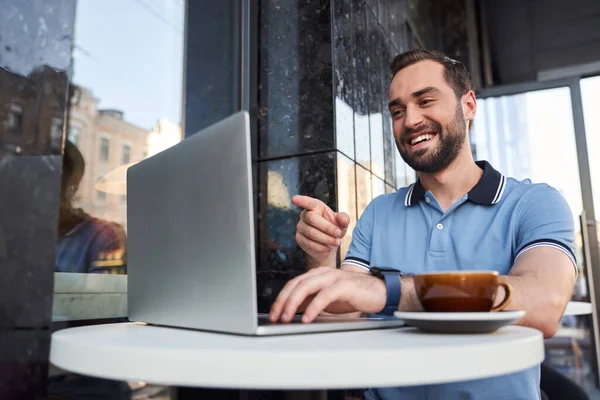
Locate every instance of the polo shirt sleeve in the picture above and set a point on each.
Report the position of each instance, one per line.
(359, 253)
(545, 219)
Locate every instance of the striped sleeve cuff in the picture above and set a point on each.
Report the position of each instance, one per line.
(550, 243)
(359, 262)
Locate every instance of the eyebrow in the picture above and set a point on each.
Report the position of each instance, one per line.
(428, 89)
(414, 95)
(395, 102)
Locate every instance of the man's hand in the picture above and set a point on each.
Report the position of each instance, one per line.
(320, 230)
(332, 290)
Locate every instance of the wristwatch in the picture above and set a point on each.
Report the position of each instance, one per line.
(392, 279)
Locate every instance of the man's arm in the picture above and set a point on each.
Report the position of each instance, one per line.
(544, 270)
(543, 274)
(408, 300)
(542, 282)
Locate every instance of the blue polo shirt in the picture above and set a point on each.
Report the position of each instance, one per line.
(487, 229)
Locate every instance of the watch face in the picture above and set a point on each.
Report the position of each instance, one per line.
(387, 270)
(380, 271)
(375, 272)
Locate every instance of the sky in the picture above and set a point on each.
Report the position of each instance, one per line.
(130, 54)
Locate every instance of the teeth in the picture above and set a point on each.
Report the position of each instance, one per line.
(418, 139)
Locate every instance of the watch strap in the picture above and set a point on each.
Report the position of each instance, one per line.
(394, 291)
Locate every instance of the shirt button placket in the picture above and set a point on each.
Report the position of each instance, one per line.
(439, 239)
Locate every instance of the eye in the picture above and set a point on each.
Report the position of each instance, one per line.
(425, 102)
(397, 113)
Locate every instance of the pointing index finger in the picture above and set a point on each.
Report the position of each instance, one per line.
(308, 203)
(312, 204)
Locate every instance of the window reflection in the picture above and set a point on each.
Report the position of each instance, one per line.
(85, 243)
(125, 105)
(31, 111)
(125, 102)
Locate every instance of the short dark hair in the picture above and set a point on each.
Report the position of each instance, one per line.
(73, 169)
(455, 72)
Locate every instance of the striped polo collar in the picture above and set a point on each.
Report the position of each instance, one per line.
(488, 190)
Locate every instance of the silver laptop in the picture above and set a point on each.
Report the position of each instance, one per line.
(191, 245)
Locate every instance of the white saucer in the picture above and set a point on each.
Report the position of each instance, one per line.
(460, 322)
(578, 308)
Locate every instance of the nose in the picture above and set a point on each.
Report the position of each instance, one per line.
(413, 118)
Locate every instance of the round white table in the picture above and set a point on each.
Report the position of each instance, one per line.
(179, 357)
(578, 308)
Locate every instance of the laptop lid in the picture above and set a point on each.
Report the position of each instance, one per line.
(191, 253)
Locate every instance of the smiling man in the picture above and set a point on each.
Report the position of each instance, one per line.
(459, 215)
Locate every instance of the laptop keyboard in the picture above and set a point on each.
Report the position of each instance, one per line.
(265, 321)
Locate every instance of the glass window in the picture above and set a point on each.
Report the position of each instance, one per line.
(73, 136)
(104, 147)
(516, 134)
(590, 87)
(126, 154)
(56, 129)
(125, 105)
(15, 119)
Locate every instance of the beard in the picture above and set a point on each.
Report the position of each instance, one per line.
(451, 139)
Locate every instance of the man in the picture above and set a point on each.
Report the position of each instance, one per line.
(458, 215)
(85, 244)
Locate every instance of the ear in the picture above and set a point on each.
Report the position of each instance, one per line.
(469, 106)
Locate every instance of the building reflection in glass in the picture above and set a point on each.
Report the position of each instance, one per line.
(31, 111)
